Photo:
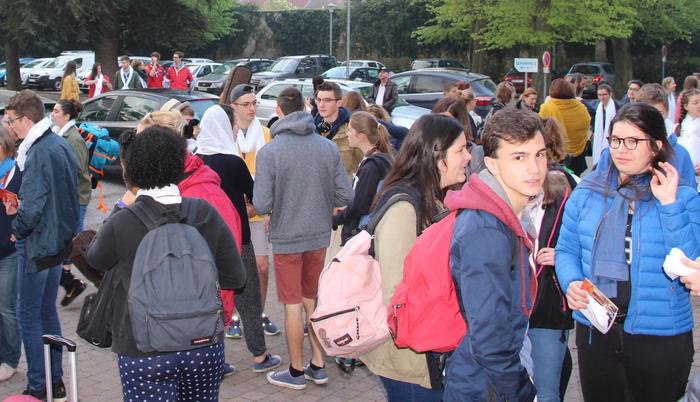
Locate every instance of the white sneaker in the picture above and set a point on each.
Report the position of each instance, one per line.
(6, 372)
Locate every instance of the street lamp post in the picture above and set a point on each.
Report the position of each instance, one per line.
(330, 8)
(347, 43)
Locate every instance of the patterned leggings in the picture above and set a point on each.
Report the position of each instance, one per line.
(194, 375)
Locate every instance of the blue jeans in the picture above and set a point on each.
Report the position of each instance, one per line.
(10, 344)
(399, 391)
(37, 316)
(548, 349)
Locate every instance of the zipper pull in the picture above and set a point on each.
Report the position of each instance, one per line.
(357, 321)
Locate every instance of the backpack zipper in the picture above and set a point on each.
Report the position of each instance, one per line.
(396, 322)
(356, 309)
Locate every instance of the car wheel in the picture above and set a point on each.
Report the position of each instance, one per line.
(57, 84)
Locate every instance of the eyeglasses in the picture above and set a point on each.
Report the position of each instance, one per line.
(8, 122)
(326, 100)
(247, 104)
(630, 143)
(176, 57)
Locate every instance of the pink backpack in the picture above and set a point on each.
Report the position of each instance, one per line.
(350, 318)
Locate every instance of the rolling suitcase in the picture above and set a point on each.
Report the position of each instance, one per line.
(61, 342)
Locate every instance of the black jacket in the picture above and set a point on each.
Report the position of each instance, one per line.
(115, 245)
(372, 170)
(7, 246)
(48, 213)
(391, 93)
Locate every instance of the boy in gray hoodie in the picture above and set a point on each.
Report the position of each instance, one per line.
(300, 179)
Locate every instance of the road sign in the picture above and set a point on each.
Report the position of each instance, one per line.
(526, 65)
(664, 53)
(546, 59)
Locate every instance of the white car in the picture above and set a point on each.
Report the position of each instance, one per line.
(27, 69)
(51, 74)
(364, 63)
(200, 69)
(403, 114)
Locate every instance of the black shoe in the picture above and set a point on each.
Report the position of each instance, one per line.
(38, 394)
(72, 292)
(59, 391)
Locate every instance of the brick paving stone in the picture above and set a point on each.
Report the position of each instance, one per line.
(98, 377)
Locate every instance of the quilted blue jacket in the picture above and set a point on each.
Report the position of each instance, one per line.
(658, 305)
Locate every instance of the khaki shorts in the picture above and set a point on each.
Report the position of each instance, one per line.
(297, 275)
(259, 239)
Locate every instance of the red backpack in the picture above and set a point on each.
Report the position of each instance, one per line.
(424, 312)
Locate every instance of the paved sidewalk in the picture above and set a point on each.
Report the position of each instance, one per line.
(98, 377)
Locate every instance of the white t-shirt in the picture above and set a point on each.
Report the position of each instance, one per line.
(379, 101)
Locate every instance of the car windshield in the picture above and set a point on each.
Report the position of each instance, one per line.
(337, 73)
(421, 64)
(585, 69)
(352, 63)
(223, 69)
(484, 87)
(59, 62)
(194, 67)
(284, 65)
(34, 63)
(201, 105)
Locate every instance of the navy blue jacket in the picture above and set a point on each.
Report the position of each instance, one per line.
(48, 211)
(495, 286)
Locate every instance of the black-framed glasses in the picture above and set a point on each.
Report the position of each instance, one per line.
(326, 100)
(630, 143)
(8, 122)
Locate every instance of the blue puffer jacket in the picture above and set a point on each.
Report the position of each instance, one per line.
(658, 305)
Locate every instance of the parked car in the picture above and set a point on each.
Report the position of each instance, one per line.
(22, 62)
(27, 69)
(364, 74)
(200, 70)
(122, 109)
(517, 78)
(214, 82)
(50, 76)
(435, 63)
(596, 73)
(403, 114)
(424, 87)
(196, 60)
(305, 66)
(364, 63)
(6, 94)
(166, 64)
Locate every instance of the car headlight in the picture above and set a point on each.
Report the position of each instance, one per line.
(264, 82)
(219, 84)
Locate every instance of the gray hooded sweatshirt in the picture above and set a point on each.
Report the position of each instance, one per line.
(299, 178)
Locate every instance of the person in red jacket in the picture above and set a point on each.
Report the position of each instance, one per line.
(179, 74)
(155, 72)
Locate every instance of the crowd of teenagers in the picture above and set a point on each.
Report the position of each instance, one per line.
(537, 223)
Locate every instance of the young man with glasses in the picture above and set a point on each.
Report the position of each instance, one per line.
(332, 122)
(179, 74)
(44, 225)
(250, 137)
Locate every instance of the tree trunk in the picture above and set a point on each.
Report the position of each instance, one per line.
(107, 46)
(601, 53)
(12, 77)
(622, 57)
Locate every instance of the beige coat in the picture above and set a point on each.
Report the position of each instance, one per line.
(394, 237)
(351, 157)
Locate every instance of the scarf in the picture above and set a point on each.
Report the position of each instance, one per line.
(5, 167)
(608, 260)
(252, 140)
(216, 135)
(34, 133)
(167, 195)
(690, 137)
(98, 85)
(602, 128)
(126, 78)
(63, 130)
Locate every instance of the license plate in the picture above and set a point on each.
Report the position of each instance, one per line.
(518, 81)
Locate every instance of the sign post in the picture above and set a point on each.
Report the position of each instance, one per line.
(525, 66)
(664, 54)
(546, 63)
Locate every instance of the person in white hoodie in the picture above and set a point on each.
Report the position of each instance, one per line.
(688, 130)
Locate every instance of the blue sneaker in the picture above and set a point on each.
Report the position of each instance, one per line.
(234, 330)
(285, 379)
(317, 376)
(269, 327)
(229, 369)
(271, 362)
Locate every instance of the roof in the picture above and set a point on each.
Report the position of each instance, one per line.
(166, 93)
(446, 72)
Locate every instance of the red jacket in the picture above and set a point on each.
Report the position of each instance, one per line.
(202, 182)
(157, 80)
(179, 79)
(91, 88)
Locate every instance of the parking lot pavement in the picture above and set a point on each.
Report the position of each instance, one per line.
(98, 378)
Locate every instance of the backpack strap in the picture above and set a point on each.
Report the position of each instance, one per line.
(152, 213)
(378, 214)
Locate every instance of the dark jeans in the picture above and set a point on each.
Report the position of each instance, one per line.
(249, 305)
(9, 328)
(399, 391)
(619, 366)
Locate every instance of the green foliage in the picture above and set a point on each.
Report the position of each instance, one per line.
(501, 24)
(664, 21)
(300, 31)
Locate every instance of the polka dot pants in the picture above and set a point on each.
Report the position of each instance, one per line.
(194, 375)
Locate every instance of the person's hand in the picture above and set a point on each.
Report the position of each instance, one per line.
(250, 210)
(576, 297)
(664, 185)
(13, 238)
(10, 207)
(266, 225)
(692, 282)
(697, 169)
(545, 256)
(307, 104)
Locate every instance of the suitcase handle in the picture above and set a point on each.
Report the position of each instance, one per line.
(59, 341)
